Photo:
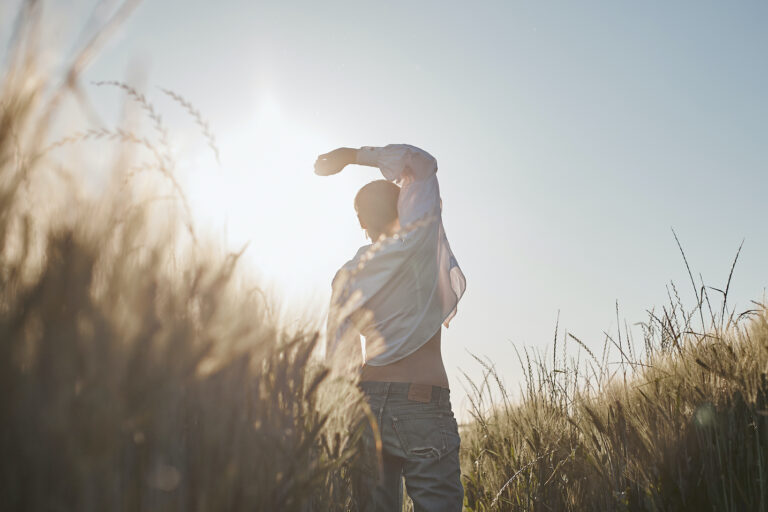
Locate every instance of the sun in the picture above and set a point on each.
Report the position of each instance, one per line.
(300, 228)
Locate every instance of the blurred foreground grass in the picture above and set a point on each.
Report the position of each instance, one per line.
(139, 369)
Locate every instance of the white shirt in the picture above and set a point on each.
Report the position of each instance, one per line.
(398, 291)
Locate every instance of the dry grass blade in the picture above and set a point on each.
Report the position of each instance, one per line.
(150, 111)
(728, 283)
(512, 478)
(586, 348)
(699, 298)
(202, 123)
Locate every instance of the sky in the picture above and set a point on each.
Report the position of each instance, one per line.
(570, 138)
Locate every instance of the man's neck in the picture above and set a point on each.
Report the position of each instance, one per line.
(389, 231)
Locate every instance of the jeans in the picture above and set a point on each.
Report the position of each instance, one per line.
(420, 441)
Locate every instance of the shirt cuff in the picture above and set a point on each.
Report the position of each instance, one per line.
(368, 155)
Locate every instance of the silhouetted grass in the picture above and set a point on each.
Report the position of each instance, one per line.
(681, 424)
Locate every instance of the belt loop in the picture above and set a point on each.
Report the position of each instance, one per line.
(383, 403)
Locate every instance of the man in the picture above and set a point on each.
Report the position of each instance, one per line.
(398, 292)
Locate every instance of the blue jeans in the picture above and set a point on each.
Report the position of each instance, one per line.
(420, 441)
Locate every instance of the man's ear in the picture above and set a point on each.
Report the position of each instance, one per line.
(362, 224)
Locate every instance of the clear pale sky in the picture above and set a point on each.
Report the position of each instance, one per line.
(570, 137)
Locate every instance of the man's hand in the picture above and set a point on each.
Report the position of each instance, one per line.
(335, 161)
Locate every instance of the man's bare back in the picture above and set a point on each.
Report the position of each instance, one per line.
(425, 366)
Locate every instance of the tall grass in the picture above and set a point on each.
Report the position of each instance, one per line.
(139, 370)
(680, 423)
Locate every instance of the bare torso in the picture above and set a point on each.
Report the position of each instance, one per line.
(425, 366)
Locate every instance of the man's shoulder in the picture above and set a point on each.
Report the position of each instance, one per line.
(350, 265)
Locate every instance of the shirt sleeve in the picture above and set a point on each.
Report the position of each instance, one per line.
(342, 334)
(399, 162)
(414, 170)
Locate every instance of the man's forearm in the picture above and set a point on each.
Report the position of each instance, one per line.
(349, 155)
(367, 155)
(335, 161)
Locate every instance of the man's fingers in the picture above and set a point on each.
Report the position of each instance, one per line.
(328, 163)
(323, 168)
(329, 154)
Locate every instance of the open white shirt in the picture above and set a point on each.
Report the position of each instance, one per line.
(398, 291)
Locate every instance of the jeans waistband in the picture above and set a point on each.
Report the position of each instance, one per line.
(438, 394)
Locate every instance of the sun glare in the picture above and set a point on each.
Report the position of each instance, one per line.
(266, 195)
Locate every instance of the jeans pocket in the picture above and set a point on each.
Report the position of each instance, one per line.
(451, 433)
(426, 437)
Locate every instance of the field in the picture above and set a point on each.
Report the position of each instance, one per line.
(141, 369)
(681, 428)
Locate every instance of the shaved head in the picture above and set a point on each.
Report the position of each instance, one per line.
(376, 205)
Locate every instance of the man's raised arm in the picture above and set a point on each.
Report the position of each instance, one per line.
(334, 161)
(411, 168)
(398, 162)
